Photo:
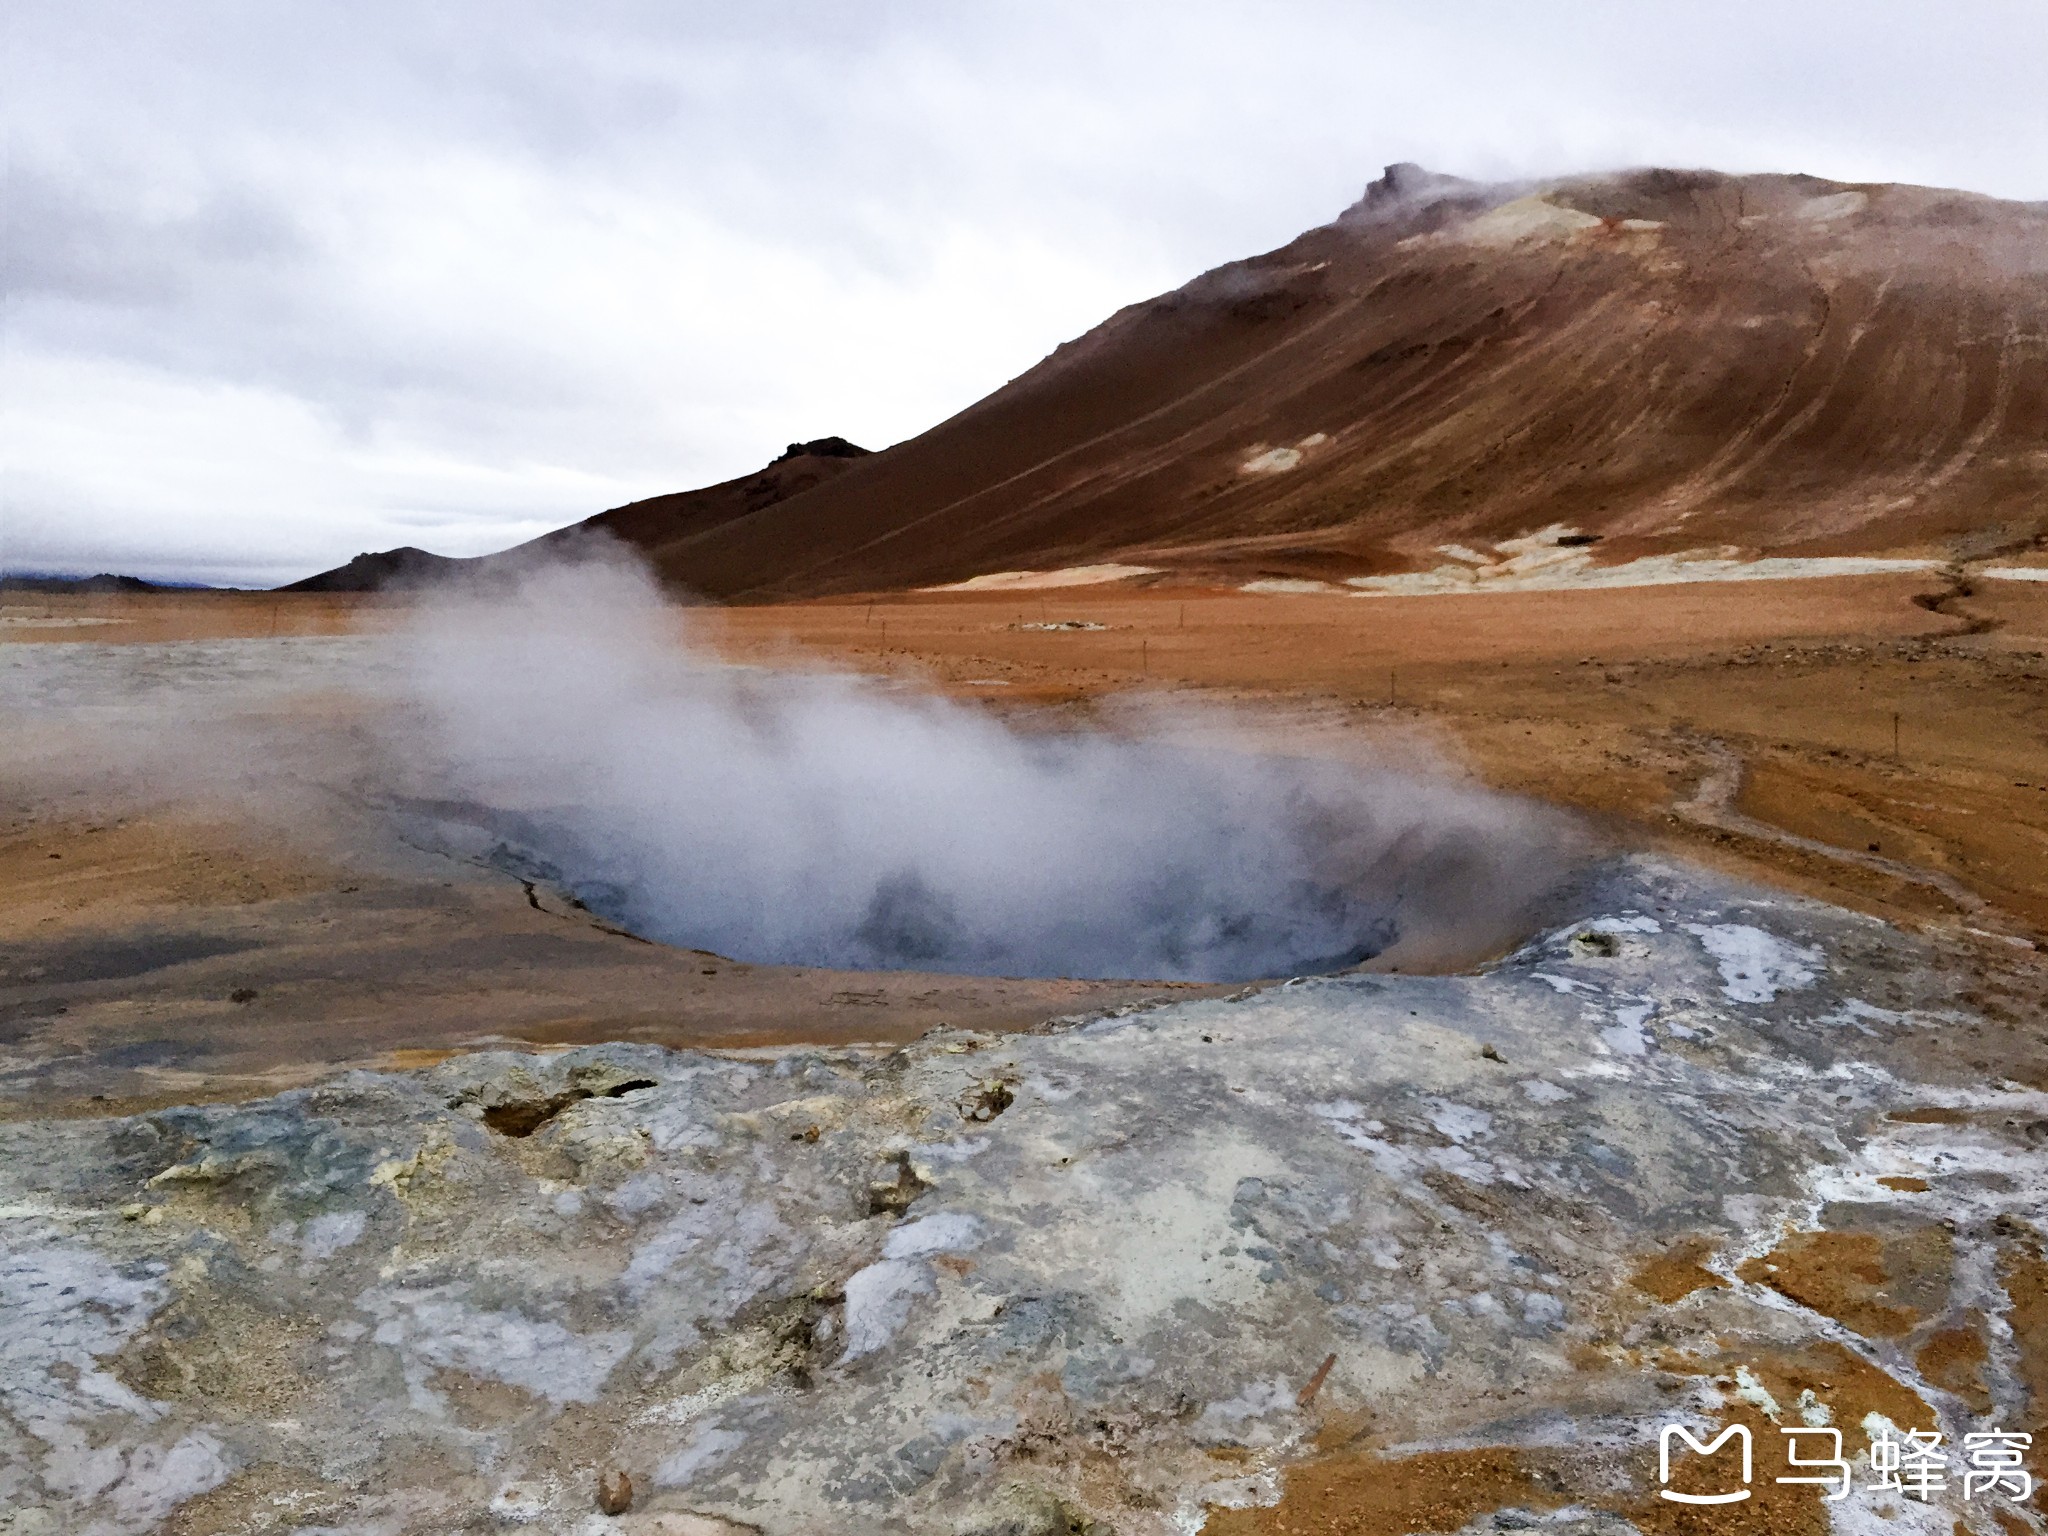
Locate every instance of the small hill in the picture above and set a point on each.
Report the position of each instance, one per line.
(653, 526)
(382, 571)
(103, 583)
(664, 523)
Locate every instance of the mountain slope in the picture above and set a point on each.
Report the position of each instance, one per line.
(659, 522)
(651, 526)
(382, 570)
(1667, 360)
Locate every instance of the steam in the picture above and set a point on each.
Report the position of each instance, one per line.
(562, 724)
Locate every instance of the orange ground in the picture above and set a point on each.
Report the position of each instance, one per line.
(1746, 724)
(1622, 703)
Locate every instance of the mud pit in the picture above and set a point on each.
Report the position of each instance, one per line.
(558, 733)
(1079, 1279)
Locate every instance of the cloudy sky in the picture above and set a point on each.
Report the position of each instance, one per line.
(290, 279)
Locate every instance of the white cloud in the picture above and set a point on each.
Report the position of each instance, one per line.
(290, 282)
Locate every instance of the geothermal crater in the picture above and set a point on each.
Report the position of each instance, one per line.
(827, 820)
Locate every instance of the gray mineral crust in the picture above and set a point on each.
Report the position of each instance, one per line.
(1074, 1280)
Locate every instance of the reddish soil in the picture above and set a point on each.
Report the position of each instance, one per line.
(1677, 1272)
(1842, 1275)
(1617, 702)
(1628, 705)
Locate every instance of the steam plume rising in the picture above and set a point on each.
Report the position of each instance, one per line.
(826, 820)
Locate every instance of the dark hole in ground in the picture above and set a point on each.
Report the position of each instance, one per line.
(523, 1117)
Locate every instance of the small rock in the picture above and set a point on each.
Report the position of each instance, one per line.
(893, 1196)
(614, 1491)
(1491, 1054)
(986, 1100)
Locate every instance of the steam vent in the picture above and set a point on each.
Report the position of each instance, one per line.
(1401, 893)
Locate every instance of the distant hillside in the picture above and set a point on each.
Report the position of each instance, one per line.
(61, 585)
(651, 526)
(663, 523)
(382, 571)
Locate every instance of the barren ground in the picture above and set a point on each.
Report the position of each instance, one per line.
(1625, 704)
(1750, 725)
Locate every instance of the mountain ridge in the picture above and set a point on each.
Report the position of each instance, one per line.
(1654, 361)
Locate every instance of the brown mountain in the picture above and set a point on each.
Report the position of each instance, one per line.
(662, 524)
(653, 526)
(382, 570)
(1658, 360)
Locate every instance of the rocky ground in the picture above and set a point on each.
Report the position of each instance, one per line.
(1349, 1254)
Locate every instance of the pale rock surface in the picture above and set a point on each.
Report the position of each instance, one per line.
(359, 1308)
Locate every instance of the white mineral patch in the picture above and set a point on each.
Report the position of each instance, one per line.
(1460, 1122)
(878, 1298)
(62, 1311)
(705, 1450)
(1169, 1245)
(157, 1480)
(1270, 461)
(1870, 1511)
(1526, 218)
(1755, 966)
(435, 1329)
(734, 1249)
(1288, 586)
(326, 1235)
(522, 1503)
(2014, 572)
(1625, 1037)
(1838, 205)
(1755, 1393)
(1401, 1163)
(943, 1232)
(1347, 1119)
(1537, 562)
(1861, 1015)
(1264, 460)
(878, 1302)
(1240, 1420)
(1631, 922)
(1035, 581)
